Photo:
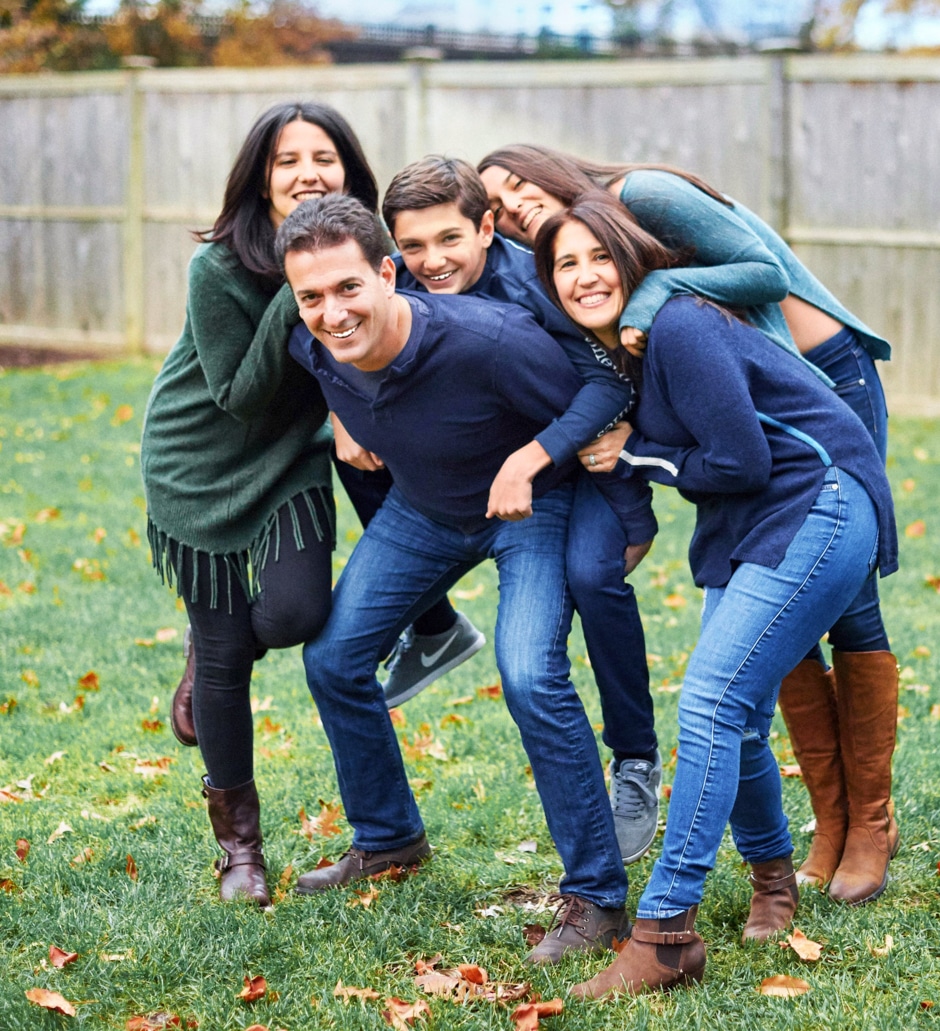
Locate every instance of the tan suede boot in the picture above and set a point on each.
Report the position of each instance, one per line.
(867, 692)
(235, 815)
(661, 954)
(774, 901)
(808, 704)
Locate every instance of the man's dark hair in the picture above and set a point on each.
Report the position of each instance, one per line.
(329, 222)
(436, 180)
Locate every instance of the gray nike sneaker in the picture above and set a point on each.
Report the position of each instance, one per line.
(634, 798)
(419, 659)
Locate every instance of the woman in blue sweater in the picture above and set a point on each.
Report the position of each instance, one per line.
(793, 514)
(844, 739)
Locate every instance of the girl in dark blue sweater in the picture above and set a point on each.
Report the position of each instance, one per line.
(794, 512)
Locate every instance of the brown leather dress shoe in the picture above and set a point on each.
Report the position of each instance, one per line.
(580, 926)
(356, 864)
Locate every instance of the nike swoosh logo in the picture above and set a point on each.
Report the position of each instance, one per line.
(429, 660)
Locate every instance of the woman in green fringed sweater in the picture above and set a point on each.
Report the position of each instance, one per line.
(236, 463)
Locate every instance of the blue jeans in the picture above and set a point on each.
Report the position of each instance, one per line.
(610, 620)
(754, 631)
(404, 561)
(853, 370)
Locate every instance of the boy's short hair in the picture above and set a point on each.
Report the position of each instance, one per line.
(436, 180)
(329, 222)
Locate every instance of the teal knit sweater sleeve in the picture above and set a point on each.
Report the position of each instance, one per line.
(730, 263)
(243, 379)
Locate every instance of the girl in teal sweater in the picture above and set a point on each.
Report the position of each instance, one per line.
(236, 463)
(842, 721)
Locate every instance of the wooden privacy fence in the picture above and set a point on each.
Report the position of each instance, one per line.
(101, 175)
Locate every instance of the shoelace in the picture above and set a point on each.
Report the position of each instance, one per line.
(635, 791)
(569, 910)
(402, 646)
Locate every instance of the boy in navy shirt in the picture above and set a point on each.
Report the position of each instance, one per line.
(445, 390)
(438, 214)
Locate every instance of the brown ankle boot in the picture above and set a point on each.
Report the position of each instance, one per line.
(867, 694)
(235, 815)
(774, 900)
(808, 704)
(661, 954)
(181, 708)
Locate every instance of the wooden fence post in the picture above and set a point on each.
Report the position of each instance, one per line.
(133, 234)
(778, 144)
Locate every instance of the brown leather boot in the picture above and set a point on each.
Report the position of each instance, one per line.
(774, 900)
(808, 704)
(235, 815)
(867, 695)
(181, 708)
(661, 954)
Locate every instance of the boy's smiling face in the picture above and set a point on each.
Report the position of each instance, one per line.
(442, 248)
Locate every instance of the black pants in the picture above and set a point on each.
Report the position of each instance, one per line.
(292, 606)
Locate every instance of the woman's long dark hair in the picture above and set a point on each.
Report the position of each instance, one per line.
(565, 176)
(633, 251)
(244, 223)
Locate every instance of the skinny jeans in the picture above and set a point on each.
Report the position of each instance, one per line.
(754, 631)
(860, 628)
(610, 620)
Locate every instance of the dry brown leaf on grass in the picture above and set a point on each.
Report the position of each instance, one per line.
(533, 934)
(804, 947)
(322, 825)
(61, 830)
(90, 681)
(882, 950)
(465, 981)
(402, 1015)
(152, 767)
(158, 1022)
(131, 868)
(422, 745)
(790, 770)
(283, 883)
(916, 529)
(347, 992)
(783, 986)
(59, 958)
(50, 1001)
(526, 1016)
(22, 849)
(363, 898)
(492, 691)
(255, 988)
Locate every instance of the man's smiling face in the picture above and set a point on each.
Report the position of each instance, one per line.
(345, 303)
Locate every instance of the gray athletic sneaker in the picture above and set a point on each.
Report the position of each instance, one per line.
(419, 659)
(634, 798)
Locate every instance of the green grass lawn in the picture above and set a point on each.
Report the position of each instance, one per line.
(106, 851)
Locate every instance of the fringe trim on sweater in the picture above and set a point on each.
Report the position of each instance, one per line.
(167, 554)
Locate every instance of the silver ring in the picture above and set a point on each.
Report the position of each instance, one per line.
(592, 460)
